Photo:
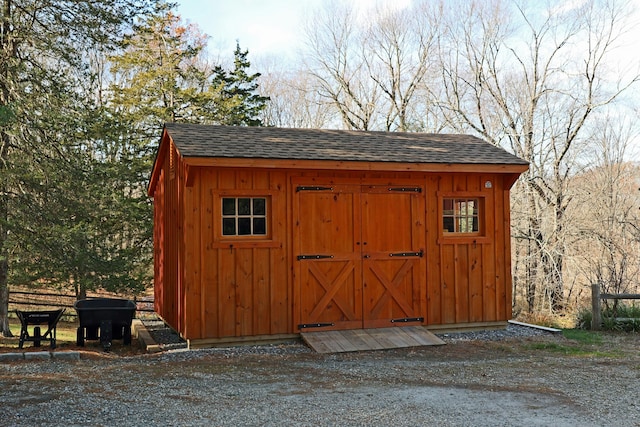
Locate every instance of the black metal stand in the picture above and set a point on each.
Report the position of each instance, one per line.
(30, 318)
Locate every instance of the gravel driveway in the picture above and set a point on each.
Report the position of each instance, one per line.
(474, 380)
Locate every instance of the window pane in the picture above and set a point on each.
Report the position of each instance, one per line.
(474, 207)
(259, 226)
(244, 226)
(244, 206)
(448, 206)
(469, 207)
(461, 225)
(229, 226)
(447, 224)
(244, 216)
(259, 206)
(228, 206)
(460, 215)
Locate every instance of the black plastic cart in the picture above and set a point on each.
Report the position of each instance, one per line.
(105, 319)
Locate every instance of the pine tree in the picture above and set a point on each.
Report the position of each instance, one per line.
(42, 66)
(159, 74)
(237, 101)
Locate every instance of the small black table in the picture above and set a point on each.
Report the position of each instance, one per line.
(48, 317)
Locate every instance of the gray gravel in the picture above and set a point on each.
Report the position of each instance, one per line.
(168, 339)
(497, 378)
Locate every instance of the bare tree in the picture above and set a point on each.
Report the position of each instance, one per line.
(293, 98)
(398, 46)
(336, 61)
(607, 214)
(534, 83)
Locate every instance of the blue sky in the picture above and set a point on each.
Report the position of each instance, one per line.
(265, 27)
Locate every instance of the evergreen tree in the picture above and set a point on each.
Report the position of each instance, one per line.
(42, 69)
(74, 158)
(161, 76)
(237, 102)
(81, 224)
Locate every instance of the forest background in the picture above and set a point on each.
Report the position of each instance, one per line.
(86, 86)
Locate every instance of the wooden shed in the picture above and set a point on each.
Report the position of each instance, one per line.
(261, 232)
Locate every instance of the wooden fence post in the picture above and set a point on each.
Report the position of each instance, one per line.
(596, 318)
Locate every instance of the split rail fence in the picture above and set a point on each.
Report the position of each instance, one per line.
(596, 304)
(31, 300)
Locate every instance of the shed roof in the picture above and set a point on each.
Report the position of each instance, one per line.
(194, 140)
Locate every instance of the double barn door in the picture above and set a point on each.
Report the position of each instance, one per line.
(359, 258)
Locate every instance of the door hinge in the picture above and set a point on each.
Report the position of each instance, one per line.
(314, 257)
(312, 188)
(314, 325)
(407, 254)
(406, 189)
(408, 319)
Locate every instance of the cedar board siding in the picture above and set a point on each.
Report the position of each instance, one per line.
(166, 243)
(208, 288)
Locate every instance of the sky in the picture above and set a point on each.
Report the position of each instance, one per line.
(270, 27)
(264, 27)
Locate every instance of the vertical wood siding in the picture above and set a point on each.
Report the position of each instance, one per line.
(234, 287)
(211, 287)
(470, 279)
(166, 242)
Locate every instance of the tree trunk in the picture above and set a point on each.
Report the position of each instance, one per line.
(6, 46)
(81, 290)
(4, 296)
(4, 256)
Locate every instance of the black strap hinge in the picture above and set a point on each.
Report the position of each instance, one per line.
(408, 319)
(312, 188)
(407, 254)
(406, 189)
(314, 257)
(314, 325)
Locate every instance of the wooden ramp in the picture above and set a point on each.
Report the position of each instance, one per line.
(369, 339)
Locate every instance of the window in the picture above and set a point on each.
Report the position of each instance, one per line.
(460, 215)
(244, 216)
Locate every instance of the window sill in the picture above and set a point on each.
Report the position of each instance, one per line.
(246, 244)
(461, 238)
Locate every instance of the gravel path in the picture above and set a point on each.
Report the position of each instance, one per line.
(516, 377)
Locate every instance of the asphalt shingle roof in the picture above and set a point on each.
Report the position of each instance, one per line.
(322, 144)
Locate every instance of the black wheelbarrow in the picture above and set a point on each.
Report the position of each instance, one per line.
(105, 319)
(46, 317)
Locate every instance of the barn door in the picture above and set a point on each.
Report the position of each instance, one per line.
(359, 258)
(393, 258)
(327, 251)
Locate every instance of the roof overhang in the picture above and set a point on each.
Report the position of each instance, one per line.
(514, 170)
(353, 165)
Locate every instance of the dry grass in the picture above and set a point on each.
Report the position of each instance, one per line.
(566, 321)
